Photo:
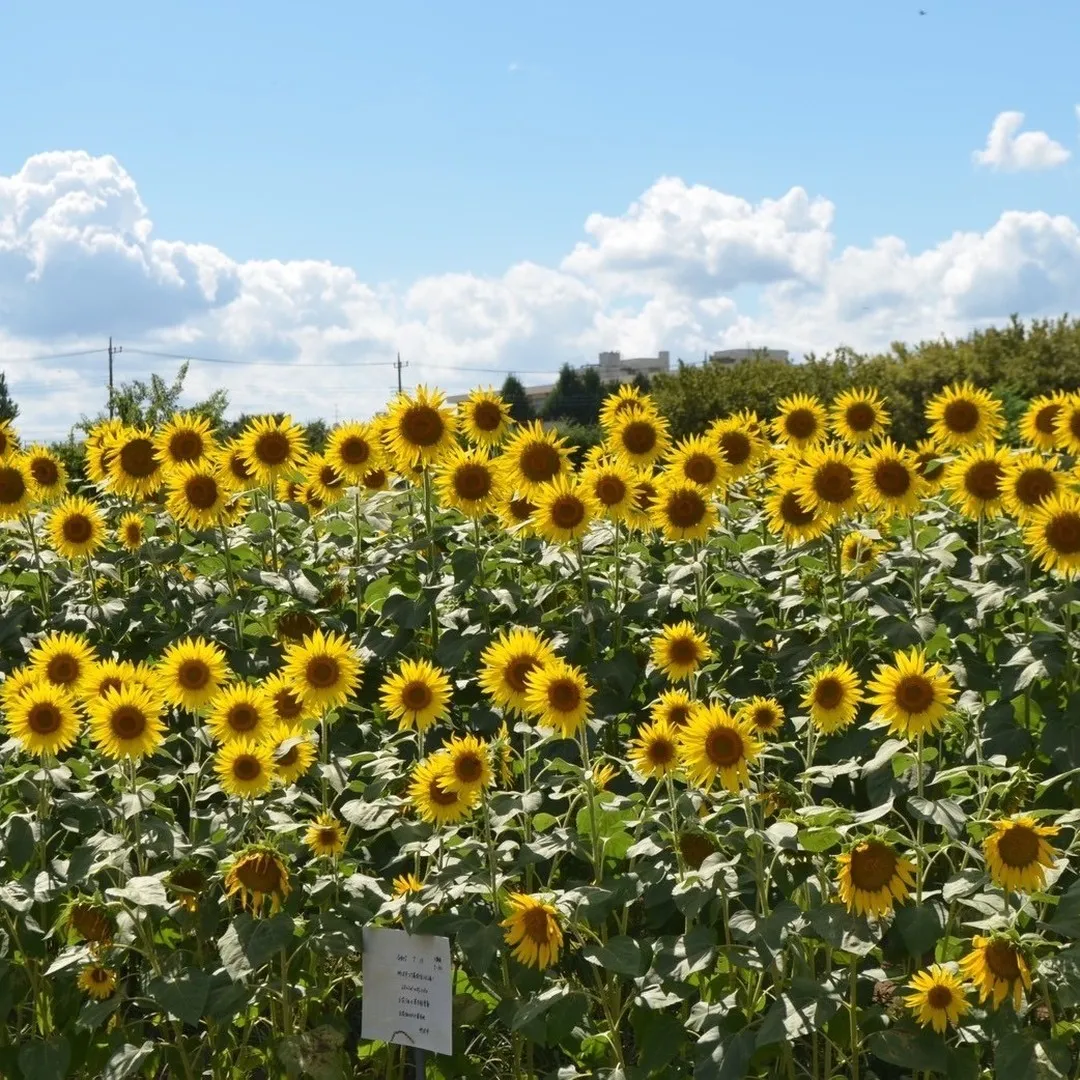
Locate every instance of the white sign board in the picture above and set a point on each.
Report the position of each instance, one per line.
(407, 990)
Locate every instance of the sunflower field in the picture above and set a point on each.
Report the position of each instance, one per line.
(754, 754)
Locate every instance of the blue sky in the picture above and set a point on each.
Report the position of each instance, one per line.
(411, 140)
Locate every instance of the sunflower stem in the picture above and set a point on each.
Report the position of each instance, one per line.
(358, 554)
(853, 1007)
(42, 586)
(838, 554)
(617, 601)
(230, 575)
(675, 826)
(286, 1009)
(920, 868)
(916, 565)
(586, 598)
(590, 795)
(431, 559)
(271, 509)
(479, 558)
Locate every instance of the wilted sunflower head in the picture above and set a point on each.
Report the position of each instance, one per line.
(257, 875)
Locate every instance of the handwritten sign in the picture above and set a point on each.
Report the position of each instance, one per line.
(407, 990)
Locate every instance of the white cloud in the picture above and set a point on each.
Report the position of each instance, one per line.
(685, 268)
(1011, 150)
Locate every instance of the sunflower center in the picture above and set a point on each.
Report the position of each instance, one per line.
(683, 651)
(91, 923)
(375, 479)
(133, 533)
(1045, 417)
(247, 767)
(44, 471)
(639, 437)
(288, 758)
(259, 874)
(793, 512)
(521, 509)
(468, 767)
(1002, 960)
(416, 695)
(110, 683)
(44, 718)
(287, 705)
(77, 528)
(62, 669)
(540, 462)
(764, 718)
(193, 674)
(914, 694)
(939, 997)
(239, 467)
(1018, 846)
(128, 722)
(564, 695)
(1034, 486)
(700, 468)
(892, 478)
(961, 416)
(724, 747)
(472, 481)
(322, 672)
(644, 495)
(677, 715)
(99, 975)
(872, 866)
(536, 925)
(439, 795)
(137, 458)
(328, 837)
(272, 448)
(1063, 533)
(201, 492)
(610, 490)
(685, 509)
(926, 469)
(354, 450)
(735, 447)
(329, 477)
(186, 446)
(568, 512)
(834, 482)
(828, 693)
(12, 485)
(983, 480)
(1074, 423)
(861, 416)
(487, 416)
(517, 670)
(800, 423)
(5, 442)
(242, 717)
(661, 751)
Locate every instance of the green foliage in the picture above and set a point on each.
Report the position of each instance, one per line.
(154, 402)
(513, 393)
(576, 397)
(8, 409)
(579, 437)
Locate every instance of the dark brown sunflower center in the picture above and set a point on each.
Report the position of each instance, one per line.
(422, 425)
(1063, 533)
(764, 718)
(801, 424)
(92, 924)
(1002, 960)
(295, 625)
(472, 482)
(1018, 846)
(939, 997)
(62, 669)
(860, 550)
(564, 695)
(439, 795)
(354, 450)
(517, 670)
(193, 674)
(639, 437)
(328, 837)
(700, 468)
(861, 416)
(961, 416)
(540, 462)
(1034, 486)
(322, 672)
(834, 482)
(724, 747)
(99, 975)
(983, 480)
(927, 469)
(77, 528)
(375, 480)
(5, 442)
(137, 458)
(247, 767)
(872, 866)
(793, 512)
(892, 478)
(239, 467)
(133, 532)
(735, 447)
(644, 495)
(610, 490)
(521, 509)
(914, 694)
(242, 717)
(568, 512)
(44, 471)
(537, 926)
(44, 718)
(128, 722)
(186, 446)
(113, 682)
(260, 874)
(329, 477)
(289, 757)
(677, 715)
(683, 651)
(487, 416)
(201, 492)
(660, 751)
(468, 767)
(416, 695)
(828, 693)
(272, 448)
(12, 485)
(695, 848)
(685, 509)
(287, 705)
(1045, 417)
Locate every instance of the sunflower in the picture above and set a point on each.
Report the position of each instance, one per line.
(1018, 855)
(738, 439)
(469, 481)
(998, 968)
(887, 480)
(872, 877)
(43, 719)
(859, 553)
(233, 467)
(88, 918)
(1052, 533)
(672, 706)
(975, 478)
(324, 668)
(1037, 425)
(627, 398)
(715, 744)
(765, 716)
(354, 449)
(679, 650)
(832, 695)
(188, 882)
(611, 484)
(789, 519)
(76, 527)
(239, 711)
(245, 768)
(197, 494)
(271, 446)
(858, 415)
(682, 510)
(1029, 480)
(420, 428)
(15, 683)
(325, 837)
(646, 494)
(1067, 424)
(801, 422)
(64, 660)
(258, 874)
(126, 722)
(698, 460)
(48, 471)
(534, 457)
(190, 672)
(564, 510)
(484, 417)
(9, 443)
(516, 515)
(912, 696)
(131, 532)
(826, 481)
(324, 479)
(532, 928)
(309, 496)
(506, 664)
(134, 468)
(286, 702)
(602, 774)
(929, 463)
(655, 750)
(469, 766)
(418, 693)
(639, 438)
(99, 450)
(17, 487)
(557, 695)
(106, 675)
(404, 884)
(963, 415)
(434, 802)
(291, 749)
(97, 982)
(938, 998)
(186, 439)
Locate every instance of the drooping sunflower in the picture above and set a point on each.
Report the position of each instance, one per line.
(532, 928)
(256, 875)
(240, 711)
(270, 447)
(485, 417)
(17, 487)
(197, 494)
(324, 668)
(404, 884)
(859, 415)
(872, 877)
(564, 510)
(765, 716)
(233, 466)
(1052, 533)
(974, 480)
(1018, 855)
(190, 672)
(97, 981)
(699, 461)
(1067, 424)
(963, 415)
(789, 518)
(43, 719)
(1037, 425)
(420, 427)
(611, 483)
(639, 438)
(627, 398)
(1028, 481)
(469, 767)
(9, 442)
(860, 554)
(469, 481)
(90, 919)
(801, 421)
(189, 883)
(557, 695)
(76, 527)
(673, 707)
(912, 696)
(245, 768)
(998, 968)
(416, 695)
(186, 439)
(65, 660)
(887, 480)
(738, 438)
(506, 663)
(534, 457)
(48, 471)
(134, 469)
(353, 449)
(325, 837)
(714, 744)
(131, 531)
(601, 775)
(291, 750)
(682, 510)
(324, 479)
(286, 701)
(654, 751)
(938, 998)
(832, 695)
(931, 467)
(679, 650)
(435, 803)
(126, 722)
(826, 481)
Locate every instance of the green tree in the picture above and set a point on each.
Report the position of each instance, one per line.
(8, 409)
(513, 393)
(576, 397)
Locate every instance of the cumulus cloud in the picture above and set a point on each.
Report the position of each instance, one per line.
(685, 267)
(1011, 150)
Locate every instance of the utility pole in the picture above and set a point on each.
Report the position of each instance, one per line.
(399, 365)
(113, 350)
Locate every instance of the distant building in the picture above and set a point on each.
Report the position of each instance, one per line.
(726, 357)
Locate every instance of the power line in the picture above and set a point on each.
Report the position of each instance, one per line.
(255, 363)
(49, 356)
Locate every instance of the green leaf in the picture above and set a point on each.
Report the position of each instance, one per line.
(1024, 1056)
(963, 884)
(842, 930)
(480, 942)
(143, 892)
(249, 943)
(182, 995)
(919, 927)
(720, 1058)
(818, 840)
(913, 1049)
(1066, 920)
(47, 1060)
(661, 1037)
(317, 1054)
(125, 1060)
(20, 842)
(944, 812)
(622, 954)
(789, 1018)
(367, 815)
